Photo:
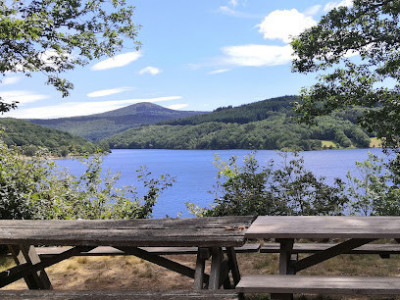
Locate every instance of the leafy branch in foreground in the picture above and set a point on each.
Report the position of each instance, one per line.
(53, 36)
(35, 188)
(356, 49)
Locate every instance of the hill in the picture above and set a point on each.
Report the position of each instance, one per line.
(266, 124)
(100, 126)
(30, 137)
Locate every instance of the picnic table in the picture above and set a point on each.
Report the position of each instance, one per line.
(214, 238)
(353, 232)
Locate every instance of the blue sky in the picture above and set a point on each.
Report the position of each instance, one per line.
(196, 55)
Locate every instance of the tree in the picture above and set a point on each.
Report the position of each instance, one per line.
(357, 49)
(53, 36)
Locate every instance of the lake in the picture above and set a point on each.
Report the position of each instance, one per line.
(196, 175)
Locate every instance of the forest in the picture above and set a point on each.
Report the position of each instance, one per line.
(267, 124)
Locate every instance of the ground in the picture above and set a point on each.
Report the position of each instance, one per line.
(133, 273)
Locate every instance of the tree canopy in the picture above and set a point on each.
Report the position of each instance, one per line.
(356, 51)
(53, 36)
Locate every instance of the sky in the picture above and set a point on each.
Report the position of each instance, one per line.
(195, 55)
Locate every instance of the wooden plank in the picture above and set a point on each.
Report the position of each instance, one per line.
(331, 252)
(319, 285)
(199, 277)
(384, 249)
(324, 227)
(111, 251)
(195, 232)
(161, 261)
(27, 255)
(215, 273)
(118, 295)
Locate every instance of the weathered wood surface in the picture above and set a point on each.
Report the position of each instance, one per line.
(116, 295)
(324, 227)
(110, 251)
(194, 232)
(382, 249)
(319, 285)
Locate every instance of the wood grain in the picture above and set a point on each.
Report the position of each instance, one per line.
(195, 232)
(319, 285)
(266, 227)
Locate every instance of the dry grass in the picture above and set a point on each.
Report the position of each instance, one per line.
(120, 272)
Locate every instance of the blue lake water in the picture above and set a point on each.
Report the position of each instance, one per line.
(196, 175)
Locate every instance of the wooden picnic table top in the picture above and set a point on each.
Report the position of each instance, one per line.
(194, 232)
(308, 227)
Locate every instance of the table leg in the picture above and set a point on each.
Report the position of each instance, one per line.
(37, 280)
(215, 274)
(199, 279)
(285, 266)
(233, 265)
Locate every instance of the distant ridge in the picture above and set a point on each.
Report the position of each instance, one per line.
(100, 126)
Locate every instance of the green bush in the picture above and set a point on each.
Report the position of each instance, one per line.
(35, 188)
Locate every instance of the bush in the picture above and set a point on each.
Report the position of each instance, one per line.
(36, 189)
(290, 190)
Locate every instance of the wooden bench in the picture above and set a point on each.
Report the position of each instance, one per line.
(117, 295)
(383, 250)
(295, 284)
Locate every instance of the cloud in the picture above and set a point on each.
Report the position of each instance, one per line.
(103, 93)
(284, 24)
(331, 5)
(117, 61)
(257, 55)
(73, 109)
(10, 80)
(150, 70)
(22, 96)
(313, 10)
(177, 106)
(226, 10)
(219, 71)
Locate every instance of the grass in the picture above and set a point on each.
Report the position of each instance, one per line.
(375, 143)
(129, 272)
(328, 145)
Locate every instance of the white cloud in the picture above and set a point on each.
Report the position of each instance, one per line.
(117, 61)
(331, 5)
(284, 24)
(73, 109)
(219, 71)
(150, 70)
(103, 93)
(257, 55)
(313, 10)
(177, 106)
(10, 80)
(22, 96)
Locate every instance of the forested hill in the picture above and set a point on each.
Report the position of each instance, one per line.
(30, 137)
(266, 124)
(243, 114)
(99, 126)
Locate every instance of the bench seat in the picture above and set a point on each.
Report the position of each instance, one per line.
(295, 284)
(116, 295)
(384, 250)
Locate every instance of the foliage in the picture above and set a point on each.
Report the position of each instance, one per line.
(278, 131)
(35, 189)
(101, 126)
(373, 191)
(53, 36)
(289, 190)
(370, 30)
(31, 138)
